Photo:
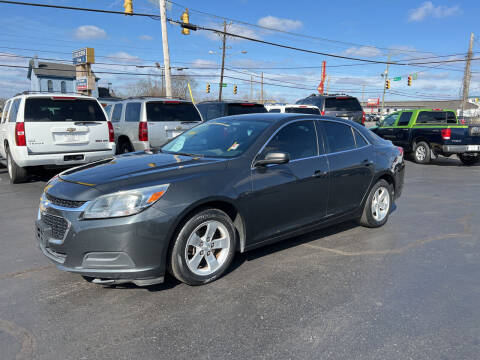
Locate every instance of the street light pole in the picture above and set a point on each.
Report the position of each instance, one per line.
(224, 41)
(166, 52)
(384, 86)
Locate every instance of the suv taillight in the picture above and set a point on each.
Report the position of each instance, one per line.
(323, 112)
(142, 131)
(111, 133)
(363, 117)
(20, 139)
(446, 133)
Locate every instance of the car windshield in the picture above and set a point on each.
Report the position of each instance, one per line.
(172, 111)
(62, 109)
(225, 138)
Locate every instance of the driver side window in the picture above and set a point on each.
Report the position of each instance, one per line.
(390, 120)
(298, 139)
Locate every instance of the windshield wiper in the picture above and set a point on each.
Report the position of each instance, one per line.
(183, 153)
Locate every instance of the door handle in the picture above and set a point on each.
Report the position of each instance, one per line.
(319, 173)
(367, 162)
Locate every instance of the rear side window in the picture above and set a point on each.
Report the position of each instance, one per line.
(300, 110)
(14, 110)
(339, 137)
(132, 112)
(359, 139)
(108, 108)
(404, 119)
(298, 139)
(57, 110)
(6, 109)
(117, 113)
(238, 109)
(436, 117)
(172, 111)
(342, 104)
(274, 110)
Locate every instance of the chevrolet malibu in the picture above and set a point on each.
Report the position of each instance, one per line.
(228, 185)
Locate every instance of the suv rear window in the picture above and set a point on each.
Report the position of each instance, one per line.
(436, 117)
(172, 111)
(300, 110)
(342, 104)
(239, 109)
(53, 110)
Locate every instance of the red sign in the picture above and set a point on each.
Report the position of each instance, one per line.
(324, 75)
(373, 102)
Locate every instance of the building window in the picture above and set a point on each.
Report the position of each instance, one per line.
(63, 87)
(50, 85)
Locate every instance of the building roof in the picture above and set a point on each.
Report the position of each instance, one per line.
(50, 69)
(427, 104)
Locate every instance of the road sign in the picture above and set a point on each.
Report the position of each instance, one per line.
(84, 56)
(398, 78)
(415, 76)
(224, 85)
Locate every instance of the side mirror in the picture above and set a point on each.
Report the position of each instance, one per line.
(273, 158)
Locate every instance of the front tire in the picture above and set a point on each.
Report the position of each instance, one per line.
(16, 173)
(421, 153)
(469, 159)
(378, 205)
(204, 248)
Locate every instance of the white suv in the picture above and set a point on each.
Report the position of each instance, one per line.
(53, 130)
(293, 108)
(145, 122)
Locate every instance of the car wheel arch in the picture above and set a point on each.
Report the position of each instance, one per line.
(223, 204)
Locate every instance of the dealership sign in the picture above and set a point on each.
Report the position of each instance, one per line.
(83, 56)
(373, 102)
(82, 83)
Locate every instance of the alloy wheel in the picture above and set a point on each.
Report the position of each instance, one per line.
(380, 203)
(207, 248)
(421, 153)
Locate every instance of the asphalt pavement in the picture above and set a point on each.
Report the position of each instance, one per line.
(409, 290)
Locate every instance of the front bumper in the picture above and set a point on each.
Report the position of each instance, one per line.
(460, 149)
(124, 249)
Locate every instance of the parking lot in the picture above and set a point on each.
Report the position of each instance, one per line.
(408, 290)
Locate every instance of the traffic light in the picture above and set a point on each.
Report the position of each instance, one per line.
(235, 89)
(128, 6)
(185, 20)
(409, 81)
(387, 84)
(208, 88)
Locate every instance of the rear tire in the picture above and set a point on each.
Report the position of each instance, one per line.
(124, 147)
(469, 159)
(16, 173)
(204, 248)
(421, 153)
(378, 205)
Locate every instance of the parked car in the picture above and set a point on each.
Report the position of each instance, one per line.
(108, 105)
(53, 130)
(215, 109)
(230, 184)
(421, 132)
(340, 106)
(293, 108)
(141, 123)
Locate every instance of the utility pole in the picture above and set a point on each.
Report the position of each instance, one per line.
(251, 87)
(224, 45)
(467, 74)
(166, 52)
(384, 86)
(261, 92)
(363, 92)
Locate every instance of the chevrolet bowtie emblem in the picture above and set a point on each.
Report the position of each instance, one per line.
(71, 129)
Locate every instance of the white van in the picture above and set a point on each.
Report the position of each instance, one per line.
(144, 122)
(53, 130)
(293, 108)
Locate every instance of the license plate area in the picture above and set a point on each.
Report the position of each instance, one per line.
(70, 138)
(76, 157)
(473, 147)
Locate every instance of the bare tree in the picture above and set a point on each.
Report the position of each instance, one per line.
(153, 87)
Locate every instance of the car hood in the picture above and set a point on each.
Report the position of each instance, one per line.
(129, 171)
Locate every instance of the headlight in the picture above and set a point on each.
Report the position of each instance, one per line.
(124, 203)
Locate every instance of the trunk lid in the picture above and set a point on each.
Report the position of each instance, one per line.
(65, 125)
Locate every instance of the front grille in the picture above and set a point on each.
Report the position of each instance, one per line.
(65, 203)
(58, 224)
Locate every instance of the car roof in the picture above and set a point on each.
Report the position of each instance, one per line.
(154, 98)
(53, 94)
(283, 117)
(229, 102)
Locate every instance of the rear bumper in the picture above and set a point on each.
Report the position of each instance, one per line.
(24, 159)
(460, 149)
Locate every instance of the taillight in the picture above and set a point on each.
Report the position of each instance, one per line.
(20, 139)
(363, 117)
(111, 133)
(446, 133)
(323, 112)
(400, 149)
(142, 131)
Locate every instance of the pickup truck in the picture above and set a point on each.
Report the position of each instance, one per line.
(424, 132)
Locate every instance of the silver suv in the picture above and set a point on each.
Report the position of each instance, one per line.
(341, 106)
(53, 130)
(144, 122)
